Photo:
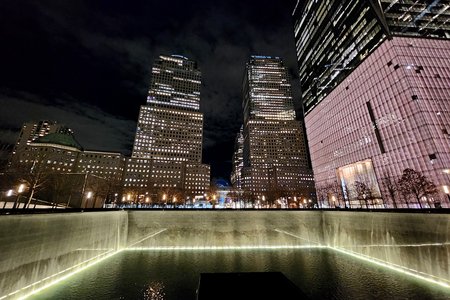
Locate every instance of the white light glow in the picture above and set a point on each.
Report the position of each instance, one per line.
(21, 188)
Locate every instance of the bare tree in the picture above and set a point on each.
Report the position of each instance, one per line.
(363, 192)
(322, 194)
(35, 174)
(234, 195)
(413, 183)
(249, 198)
(347, 191)
(391, 187)
(335, 189)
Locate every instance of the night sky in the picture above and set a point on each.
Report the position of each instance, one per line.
(87, 63)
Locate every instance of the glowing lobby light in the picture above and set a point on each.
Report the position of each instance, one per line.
(446, 189)
(9, 193)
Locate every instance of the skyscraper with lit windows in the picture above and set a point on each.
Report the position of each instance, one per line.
(168, 143)
(274, 151)
(375, 91)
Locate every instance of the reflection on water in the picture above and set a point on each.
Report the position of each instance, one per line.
(155, 291)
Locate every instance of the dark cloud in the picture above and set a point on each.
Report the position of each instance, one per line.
(89, 62)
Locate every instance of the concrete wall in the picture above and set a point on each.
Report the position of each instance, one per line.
(417, 241)
(34, 247)
(222, 228)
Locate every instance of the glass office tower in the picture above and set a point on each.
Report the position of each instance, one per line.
(375, 86)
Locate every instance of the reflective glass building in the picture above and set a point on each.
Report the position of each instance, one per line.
(333, 37)
(376, 83)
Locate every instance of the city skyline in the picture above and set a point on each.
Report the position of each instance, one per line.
(81, 71)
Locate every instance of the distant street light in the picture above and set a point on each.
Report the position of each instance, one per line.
(20, 189)
(88, 196)
(9, 193)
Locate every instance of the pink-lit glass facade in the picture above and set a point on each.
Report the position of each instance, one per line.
(393, 109)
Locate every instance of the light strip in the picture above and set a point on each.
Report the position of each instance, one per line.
(393, 267)
(396, 246)
(90, 262)
(415, 273)
(296, 236)
(216, 248)
(149, 236)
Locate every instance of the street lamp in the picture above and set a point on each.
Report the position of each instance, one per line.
(20, 190)
(88, 196)
(9, 193)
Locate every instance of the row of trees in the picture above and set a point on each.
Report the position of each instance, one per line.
(410, 189)
(272, 198)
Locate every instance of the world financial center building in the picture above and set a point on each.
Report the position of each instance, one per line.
(271, 144)
(167, 151)
(375, 79)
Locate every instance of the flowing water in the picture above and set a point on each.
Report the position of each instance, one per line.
(320, 273)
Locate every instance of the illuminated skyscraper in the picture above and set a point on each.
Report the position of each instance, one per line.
(274, 151)
(376, 86)
(333, 37)
(169, 134)
(238, 160)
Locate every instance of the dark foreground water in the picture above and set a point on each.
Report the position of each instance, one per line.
(321, 274)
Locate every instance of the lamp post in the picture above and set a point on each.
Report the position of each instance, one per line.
(20, 190)
(88, 196)
(9, 193)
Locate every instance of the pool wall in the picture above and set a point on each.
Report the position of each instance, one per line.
(38, 249)
(42, 248)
